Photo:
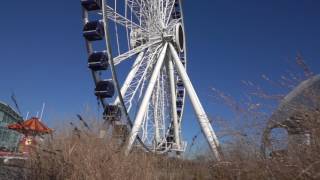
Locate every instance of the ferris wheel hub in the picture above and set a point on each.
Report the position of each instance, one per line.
(179, 37)
(176, 36)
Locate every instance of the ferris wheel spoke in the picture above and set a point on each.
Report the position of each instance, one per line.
(155, 13)
(176, 125)
(149, 125)
(139, 77)
(168, 10)
(156, 112)
(159, 125)
(173, 23)
(139, 8)
(201, 114)
(150, 15)
(151, 122)
(165, 5)
(117, 60)
(134, 8)
(121, 20)
(165, 105)
(130, 76)
(148, 130)
(146, 98)
(144, 129)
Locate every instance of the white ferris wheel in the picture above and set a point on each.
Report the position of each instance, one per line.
(148, 103)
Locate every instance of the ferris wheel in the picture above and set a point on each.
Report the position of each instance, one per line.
(137, 56)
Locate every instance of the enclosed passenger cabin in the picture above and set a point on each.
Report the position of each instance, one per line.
(91, 5)
(105, 89)
(179, 112)
(170, 137)
(179, 103)
(93, 31)
(180, 93)
(180, 83)
(9, 139)
(98, 61)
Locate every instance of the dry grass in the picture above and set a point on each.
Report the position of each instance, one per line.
(82, 155)
(69, 156)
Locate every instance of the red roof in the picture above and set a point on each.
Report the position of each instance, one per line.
(15, 126)
(33, 125)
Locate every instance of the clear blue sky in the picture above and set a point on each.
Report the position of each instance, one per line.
(43, 57)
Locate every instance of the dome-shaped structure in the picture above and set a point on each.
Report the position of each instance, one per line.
(291, 115)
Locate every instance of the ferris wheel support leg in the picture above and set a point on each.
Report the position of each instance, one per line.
(200, 113)
(173, 102)
(130, 77)
(156, 115)
(144, 104)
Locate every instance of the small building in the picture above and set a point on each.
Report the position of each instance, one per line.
(9, 139)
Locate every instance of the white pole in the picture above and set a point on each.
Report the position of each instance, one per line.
(173, 103)
(200, 113)
(130, 76)
(145, 100)
(27, 115)
(43, 106)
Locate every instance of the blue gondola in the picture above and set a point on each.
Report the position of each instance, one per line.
(170, 137)
(179, 113)
(93, 31)
(180, 83)
(180, 94)
(177, 6)
(183, 61)
(98, 61)
(105, 89)
(179, 103)
(91, 5)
